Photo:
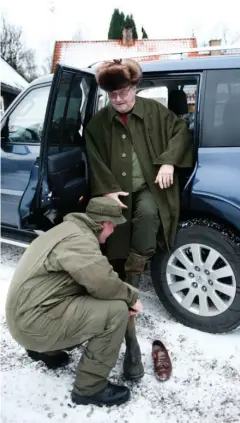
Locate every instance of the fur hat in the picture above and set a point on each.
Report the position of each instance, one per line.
(118, 74)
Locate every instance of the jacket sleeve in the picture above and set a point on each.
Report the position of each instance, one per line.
(179, 151)
(102, 180)
(80, 256)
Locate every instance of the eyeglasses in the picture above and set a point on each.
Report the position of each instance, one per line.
(113, 95)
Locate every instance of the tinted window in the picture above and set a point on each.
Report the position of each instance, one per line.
(69, 112)
(221, 122)
(157, 93)
(24, 125)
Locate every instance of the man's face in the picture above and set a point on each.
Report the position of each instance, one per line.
(123, 100)
(108, 228)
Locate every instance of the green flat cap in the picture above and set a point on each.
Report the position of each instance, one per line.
(104, 209)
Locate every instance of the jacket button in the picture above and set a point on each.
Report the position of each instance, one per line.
(123, 173)
(123, 154)
(123, 136)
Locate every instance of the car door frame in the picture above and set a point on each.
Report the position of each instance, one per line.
(37, 194)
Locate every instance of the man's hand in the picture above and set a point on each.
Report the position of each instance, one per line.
(136, 308)
(115, 196)
(165, 176)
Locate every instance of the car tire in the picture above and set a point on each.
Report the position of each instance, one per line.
(202, 314)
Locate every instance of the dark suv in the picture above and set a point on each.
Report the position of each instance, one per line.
(45, 175)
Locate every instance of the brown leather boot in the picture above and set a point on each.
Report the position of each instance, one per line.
(132, 366)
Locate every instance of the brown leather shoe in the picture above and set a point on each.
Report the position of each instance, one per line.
(162, 362)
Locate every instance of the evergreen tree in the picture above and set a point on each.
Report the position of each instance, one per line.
(129, 22)
(118, 22)
(116, 25)
(122, 21)
(144, 34)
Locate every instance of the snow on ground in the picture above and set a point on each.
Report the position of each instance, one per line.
(204, 387)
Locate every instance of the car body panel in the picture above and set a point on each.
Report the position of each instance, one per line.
(216, 184)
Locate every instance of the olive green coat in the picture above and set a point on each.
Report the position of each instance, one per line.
(59, 266)
(158, 137)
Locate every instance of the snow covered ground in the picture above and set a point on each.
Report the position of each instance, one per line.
(204, 387)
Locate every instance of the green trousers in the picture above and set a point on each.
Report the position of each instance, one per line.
(103, 324)
(145, 223)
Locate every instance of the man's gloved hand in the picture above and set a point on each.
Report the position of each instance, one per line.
(165, 176)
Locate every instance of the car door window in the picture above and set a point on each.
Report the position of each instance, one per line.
(69, 113)
(221, 124)
(24, 124)
(159, 94)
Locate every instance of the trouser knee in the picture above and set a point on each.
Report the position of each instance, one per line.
(147, 217)
(119, 311)
(144, 234)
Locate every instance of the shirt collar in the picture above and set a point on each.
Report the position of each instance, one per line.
(138, 109)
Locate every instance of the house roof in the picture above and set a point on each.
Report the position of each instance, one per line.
(84, 53)
(10, 78)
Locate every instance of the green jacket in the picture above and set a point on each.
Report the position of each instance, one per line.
(158, 137)
(57, 267)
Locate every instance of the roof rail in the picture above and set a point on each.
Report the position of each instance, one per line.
(174, 52)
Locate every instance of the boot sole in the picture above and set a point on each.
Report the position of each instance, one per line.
(86, 401)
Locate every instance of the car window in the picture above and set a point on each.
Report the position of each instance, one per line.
(221, 123)
(24, 124)
(157, 93)
(69, 112)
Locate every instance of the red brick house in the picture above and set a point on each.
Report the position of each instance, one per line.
(85, 53)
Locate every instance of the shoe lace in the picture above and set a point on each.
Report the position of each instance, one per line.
(161, 360)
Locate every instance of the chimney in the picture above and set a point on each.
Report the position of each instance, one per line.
(215, 43)
(127, 36)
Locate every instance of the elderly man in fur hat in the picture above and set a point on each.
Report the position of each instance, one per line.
(135, 147)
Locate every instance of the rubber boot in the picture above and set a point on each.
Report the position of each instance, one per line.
(132, 366)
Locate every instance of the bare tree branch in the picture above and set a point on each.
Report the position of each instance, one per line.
(14, 51)
(47, 65)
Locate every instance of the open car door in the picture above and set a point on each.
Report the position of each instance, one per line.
(59, 182)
